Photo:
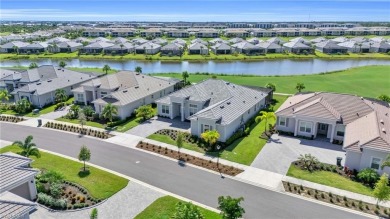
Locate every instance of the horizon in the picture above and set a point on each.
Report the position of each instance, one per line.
(196, 11)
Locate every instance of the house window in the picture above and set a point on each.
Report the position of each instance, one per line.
(80, 97)
(282, 121)
(193, 109)
(103, 94)
(165, 109)
(375, 163)
(152, 96)
(305, 127)
(249, 111)
(207, 128)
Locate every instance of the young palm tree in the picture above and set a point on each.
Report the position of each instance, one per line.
(4, 95)
(109, 111)
(185, 75)
(60, 95)
(138, 69)
(29, 148)
(106, 68)
(386, 163)
(121, 48)
(300, 87)
(62, 64)
(265, 116)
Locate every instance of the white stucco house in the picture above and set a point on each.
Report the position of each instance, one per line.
(126, 90)
(17, 186)
(38, 85)
(213, 104)
(361, 124)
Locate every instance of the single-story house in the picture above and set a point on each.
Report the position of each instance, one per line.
(179, 41)
(122, 48)
(318, 40)
(221, 48)
(160, 41)
(96, 48)
(377, 39)
(247, 48)
(359, 39)
(213, 105)
(151, 32)
(39, 47)
(359, 123)
(236, 40)
(120, 40)
(175, 49)
(301, 40)
(355, 47)
(14, 206)
(270, 47)
(197, 40)
(139, 41)
(148, 48)
(217, 40)
(276, 40)
(381, 47)
(101, 39)
(126, 90)
(67, 46)
(81, 40)
(38, 85)
(12, 47)
(330, 47)
(57, 40)
(297, 47)
(255, 41)
(340, 39)
(198, 48)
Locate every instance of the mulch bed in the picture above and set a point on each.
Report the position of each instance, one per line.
(186, 158)
(77, 129)
(337, 200)
(14, 119)
(77, 196)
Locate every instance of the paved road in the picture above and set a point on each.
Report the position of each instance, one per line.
(192, 183)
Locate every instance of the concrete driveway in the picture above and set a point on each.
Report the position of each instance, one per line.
(157, 123)
(55, 114)
(280, 151)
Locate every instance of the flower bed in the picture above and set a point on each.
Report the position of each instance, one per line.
(337, 200)
(76, 129)
(14, 119)
(72, 196)
(208, 164)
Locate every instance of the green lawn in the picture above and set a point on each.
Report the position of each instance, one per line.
(353, 81)
(243, 150)
(329, 179)
(100, 184)
(76, 121)
(165, 207)
(94, 70)
(44, 110)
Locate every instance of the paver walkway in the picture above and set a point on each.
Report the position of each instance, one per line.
(157, 123)
(277, 155)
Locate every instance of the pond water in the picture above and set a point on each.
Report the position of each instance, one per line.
(261, 67)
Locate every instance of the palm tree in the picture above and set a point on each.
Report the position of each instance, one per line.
(121, 48)
(201, 48)
(16, 49)
(265, 116)
(62, 64)
(300, 87)
(69, 50)
(185, 75)
(109, 111)
(386, 163)
(29, 148)
(106, 68)
(33, 65)
(60, 95)
(138, 69)
(4, 95)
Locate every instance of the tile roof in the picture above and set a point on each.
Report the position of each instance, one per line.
(329, 45)
(269, 45)
(10, 45)
(221, 46)
(14, 206)
(13, 170)
(197, 40)
(179, 41)
(197, 46)
(296, 44)
(172, 47)
(148, 45)
(244, 45)
(98, 45)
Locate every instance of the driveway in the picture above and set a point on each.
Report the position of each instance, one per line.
(55, 114)
(157, 123)
(280, 151)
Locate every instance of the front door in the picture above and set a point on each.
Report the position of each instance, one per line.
(322, 129)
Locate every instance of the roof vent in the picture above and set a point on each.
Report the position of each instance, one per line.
(63, 70)
(136, 87)
(361, 98)
(68, 80)
(48, 80)
(222, 107)
(383, 130)
(243, 101)
(125, 91)
(39, 83)
(382, 121)
(228, 103)
(227, 83)
(212, 93)
(59, 69)
(143, 76)
(81, 78)
(234, 86)
(357, 114)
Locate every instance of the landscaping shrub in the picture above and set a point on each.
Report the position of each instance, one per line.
(234, 137)
(368, 176)
(51, 177)
(40, 187)
(55, 190)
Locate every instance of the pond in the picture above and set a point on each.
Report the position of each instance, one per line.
(261, 67)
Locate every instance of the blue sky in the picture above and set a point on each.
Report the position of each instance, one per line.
(199, 10)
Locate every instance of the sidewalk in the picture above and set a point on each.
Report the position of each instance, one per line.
(335, 191)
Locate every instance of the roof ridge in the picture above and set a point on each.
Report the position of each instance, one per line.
(330, 108)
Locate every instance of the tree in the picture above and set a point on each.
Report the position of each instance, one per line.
(62, 64)
(211, 137)
(4, 95)
(138, 69)
(230, 207)
(33, 65)
(22, 106)
(88, 111)
(382, 190)
(185, 75)
(16, 49)
(265, 116)
(84, 155)
(271, 86)
(145, 112)
(187, 211)
(60, 95)
(308, 161)
(82, 119)
(179, 142)
(121, 45)
(74, 111)
(300, 87)
(29, 148)
(384, 97)
(109, 111)
(106, 68)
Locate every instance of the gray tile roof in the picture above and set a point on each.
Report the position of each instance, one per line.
(296, 45)
(301, 40)
(318, 40)
(329, 45)
(244, 45)
(340, 39)
(353, 44)
(159, 41)
(269, 45)
(6, 73)
(57, 40)
(236, 40)
(179, 41)
(13, 170)
(224, 101)
(120, 40)
(10, 45)
(71, 44)
(98, 45)
(218, 40)
(197, 40)
(221, 46)
(39, 45)
(172, 47)
(276, 40)
(134, 87)
(197, 46)
(118, 46)
(14, 206)
(148, 45)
